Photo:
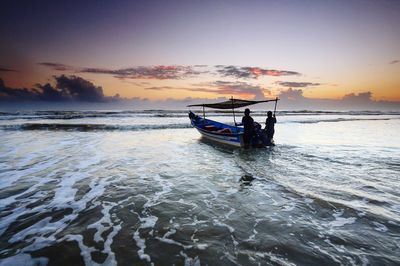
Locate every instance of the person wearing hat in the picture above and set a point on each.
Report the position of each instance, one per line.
(248, 125)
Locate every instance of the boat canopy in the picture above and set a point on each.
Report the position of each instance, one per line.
(232, 103)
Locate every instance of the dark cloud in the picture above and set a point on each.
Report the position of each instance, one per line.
(251, 72)
(140, 72)
(56, 66)
(174, 71)
(394, 62)
(79, 89)
(160, 88)
(137, 83)
(11, 94)
(297, 84)
(2, 69)
(67, 88)
(152, 72)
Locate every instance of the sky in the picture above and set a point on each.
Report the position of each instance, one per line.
(158, 51)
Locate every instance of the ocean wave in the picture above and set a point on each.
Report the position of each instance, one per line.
(142, 127)
(69, 115)
(314, 121)
(90, 127)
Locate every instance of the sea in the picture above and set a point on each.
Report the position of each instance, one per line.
(143, 188)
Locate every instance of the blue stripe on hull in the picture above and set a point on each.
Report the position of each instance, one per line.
(233, 139)
(230, 139)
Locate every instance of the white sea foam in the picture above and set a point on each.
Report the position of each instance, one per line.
(106, 219)
(169, 233)
(380, 227)
(30, 174)
(190, 261)
(231, 211)
(323, 251)
(308, 200)
(85, 250)
(148, 222)
(80, 176)
(40, 227)
(340, 221)
(232, 191)
(219, 223)
(173, 242)
(289, 207)
(254, 232)
(10, 218)
(202, 246)
(107, 246)
(141, 243)
(43, 231)
(23, 259)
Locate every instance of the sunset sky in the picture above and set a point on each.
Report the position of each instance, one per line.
(204, 49)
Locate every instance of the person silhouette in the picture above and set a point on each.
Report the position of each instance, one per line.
(270, 126)
(248, 125)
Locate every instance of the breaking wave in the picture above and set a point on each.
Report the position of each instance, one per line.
(90, 127)
(314, 121)
(70, 115)
(143, 127)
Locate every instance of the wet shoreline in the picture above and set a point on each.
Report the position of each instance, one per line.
(323, 195)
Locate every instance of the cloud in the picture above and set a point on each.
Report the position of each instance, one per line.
(241, 89)
(362, 97)
(2, 69)
(154, 72)
(297, 95)
(291, 95)
(78, 89)
(137, 83)
(67, 88)
(238, 88)
(56, 66)
(394, 62)
(251, 72)
(297, 84)
(161, 88)
(75, 92)
(293, 99)
(174, 71)
(139, 72)
(11, 94)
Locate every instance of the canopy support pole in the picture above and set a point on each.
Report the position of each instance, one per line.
(276, 101)
(233, 112)
(204, 113)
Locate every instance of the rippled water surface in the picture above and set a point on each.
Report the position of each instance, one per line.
(135, 188)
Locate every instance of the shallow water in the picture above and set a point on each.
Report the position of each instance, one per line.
(136, 188)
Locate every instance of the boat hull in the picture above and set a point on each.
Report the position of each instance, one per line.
(235, 140)
(218, 132)
(227, 134)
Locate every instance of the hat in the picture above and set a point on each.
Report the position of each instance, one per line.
(247, 111)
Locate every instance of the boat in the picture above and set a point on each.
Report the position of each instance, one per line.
(227, 134)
